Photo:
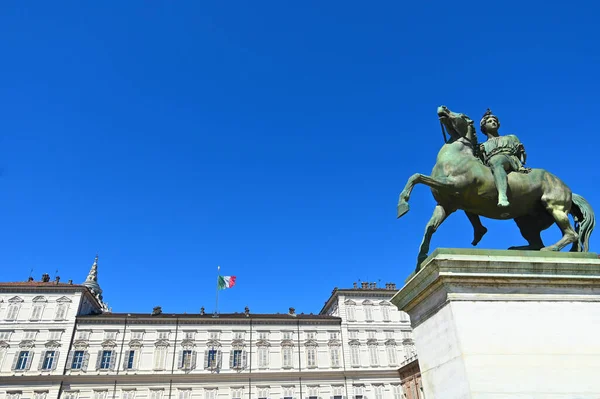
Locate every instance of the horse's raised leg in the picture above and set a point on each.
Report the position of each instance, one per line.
(562, 220)
(437, 183)
(439, 215)
(479, 229)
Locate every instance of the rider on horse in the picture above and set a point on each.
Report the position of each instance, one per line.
(503, 154)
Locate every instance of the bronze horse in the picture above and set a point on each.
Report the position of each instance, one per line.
(460, 180)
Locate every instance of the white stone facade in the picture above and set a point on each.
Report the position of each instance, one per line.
(76, 351)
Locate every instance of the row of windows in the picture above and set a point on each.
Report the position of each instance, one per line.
(368, 312)
(37, 313)
(23, 360)
(213, 335)
(52, 335)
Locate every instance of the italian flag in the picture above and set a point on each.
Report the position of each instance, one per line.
(226, 282)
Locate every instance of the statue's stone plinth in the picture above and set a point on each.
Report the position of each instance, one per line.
(506, 324)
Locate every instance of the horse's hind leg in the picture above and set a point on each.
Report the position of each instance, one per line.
(559, 213)
(531, 227)
(439, 215)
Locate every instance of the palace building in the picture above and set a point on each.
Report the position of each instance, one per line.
(61, 341)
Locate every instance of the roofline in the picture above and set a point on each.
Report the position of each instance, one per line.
(361, 291)
(36, 286)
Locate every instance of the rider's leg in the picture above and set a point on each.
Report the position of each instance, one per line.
(497, 164)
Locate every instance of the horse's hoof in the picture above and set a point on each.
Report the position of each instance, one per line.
(551, 248)
(402, 209)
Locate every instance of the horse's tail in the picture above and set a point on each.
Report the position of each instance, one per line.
(585, 220)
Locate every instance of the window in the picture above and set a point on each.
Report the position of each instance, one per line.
(156, 393)
(237, 359)
(70, 394)
(83, 335)
(128, 394)
(160, 356)
(311, 356)
(40, 394)
(238, 335)
(55, 335)
(389, 334)
(187, 359)
(13, 395)
(359, 391)
(163, 335)
(311, 335)
(373, 355)
(313, 392)
(287, 335)
(378, 391)
(5, 335)
(338, 391)
(137, 335)
(30, 335)
(286, 352)
(371, 334)
(61, 311)
(391, 354)
(352, 334)
(112, 335)
(212, 359)
(78, 360)
(210, 394)
(333, 335)
(351, 312)
(105, 360)
(406, 335)
(263, 335)
(13, 311)
(355, 355)
(263, 393)
(397, 391)
(129, 360)
(263, 356)
(102, 394)
(22, 360)
(36, 314)
(368, 313)
(214, 335)
(385, 310)
(334, 354)
(237, 393)
(48, 360)
(185, 394)
(288, 392)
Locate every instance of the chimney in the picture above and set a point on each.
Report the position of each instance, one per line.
(156, 311)
(247, 311)
(354, 285)
(70, 282)
(202, 312)
(373, 285)
(292, 312)
(392, 286)
(364, 285)
(30, 278)
(45, 278)
(57, 279)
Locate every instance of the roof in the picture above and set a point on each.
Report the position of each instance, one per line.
(358, 291)
(39, 284)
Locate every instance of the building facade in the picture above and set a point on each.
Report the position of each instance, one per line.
(60, 340)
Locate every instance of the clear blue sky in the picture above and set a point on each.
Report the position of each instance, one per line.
(272, 137)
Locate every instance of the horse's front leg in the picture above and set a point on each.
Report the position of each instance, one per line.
(441, 183)
(479, 229)
(439, 215)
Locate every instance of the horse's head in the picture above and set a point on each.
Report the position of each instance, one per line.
(458, 125)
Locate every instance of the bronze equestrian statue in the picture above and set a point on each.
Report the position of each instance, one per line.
(535, 198)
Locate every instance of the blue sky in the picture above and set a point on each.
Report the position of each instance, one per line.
(271, 138)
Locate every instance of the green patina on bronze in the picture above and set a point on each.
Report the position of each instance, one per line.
(490, 180)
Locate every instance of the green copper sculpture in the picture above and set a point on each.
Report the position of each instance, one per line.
(490, 180)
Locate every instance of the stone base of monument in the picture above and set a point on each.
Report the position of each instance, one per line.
(506, 324)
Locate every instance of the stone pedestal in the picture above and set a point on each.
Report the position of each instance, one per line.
(506, 324)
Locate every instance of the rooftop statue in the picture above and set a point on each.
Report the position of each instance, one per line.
(490, 180)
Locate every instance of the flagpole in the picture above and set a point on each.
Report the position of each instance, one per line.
(217, 298)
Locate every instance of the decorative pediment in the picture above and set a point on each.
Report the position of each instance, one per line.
(287, 342)
(135, 343)
(213, 343)
(407, 341)
(311, 343)
(16, 299)
(371, 341)
(52, 344)
(188, 343)
(349, 302)
(80, 344)
(4, 345)
(161, 342)
(27, 344)
(385, 303)
(367, 302)
(238, 343)
(64, 299)
(390, 342)
(354, 342)
(109, 343)
(334, 342)
(40, 298)
(262, 342)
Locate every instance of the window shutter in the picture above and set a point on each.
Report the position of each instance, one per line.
(16, 359)
(126, 360)
(180, 360)
(86, 360)
(41, 364)
(194, 355)
(55, 361)
(219, 359)
(29, 360)
(206, 359)
(98, 360)
(136, 357)
(70, 360)
(231, 358)
(244, 359)
(113, 360)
